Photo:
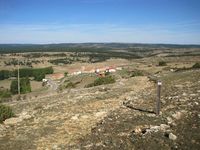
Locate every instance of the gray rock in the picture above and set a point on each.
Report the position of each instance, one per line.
(169, 97)
(177, 115)
(193, 95)
(75, 117)
(155, 128)
(25, 115)
(169, 120)
(199, 115)
(164, 127)
(172, 136)
(184, 94)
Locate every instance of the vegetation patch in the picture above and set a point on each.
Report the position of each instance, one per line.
(127, 73)
(162, 63)
(37, 73)
(25, 86)
(61, 61)
(4, 94)
(196, 65)
(5, 74)
(102, 80)
(70, 85)
(136, 73)
(5, 112)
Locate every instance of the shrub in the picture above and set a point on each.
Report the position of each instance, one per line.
(107, 73)
(70, 85)
(196, 65)
(5, 113)
(66, 74)
(101, 81)
(136, 73)
(162, 63)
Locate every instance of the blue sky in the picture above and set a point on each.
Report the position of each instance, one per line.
(74, 21)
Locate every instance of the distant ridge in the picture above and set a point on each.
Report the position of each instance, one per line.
(14, 48)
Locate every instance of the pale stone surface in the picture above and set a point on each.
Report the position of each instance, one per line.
(172, 136)
(12, 121)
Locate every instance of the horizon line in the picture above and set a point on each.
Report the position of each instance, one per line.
(57, 43)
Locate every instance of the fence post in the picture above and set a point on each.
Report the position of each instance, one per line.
(159, 83)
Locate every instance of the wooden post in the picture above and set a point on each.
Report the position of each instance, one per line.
(158, 97)
(18, 77)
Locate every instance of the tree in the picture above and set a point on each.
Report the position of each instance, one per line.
(38, 76)
(25, 86)
(14, 87)
(4, 74)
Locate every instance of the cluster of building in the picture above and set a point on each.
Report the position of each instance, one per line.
(98, 71)
(101, 71)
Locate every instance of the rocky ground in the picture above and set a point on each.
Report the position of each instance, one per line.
(134, 126)
(115, 116)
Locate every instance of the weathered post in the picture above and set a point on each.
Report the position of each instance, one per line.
(158, 97)
(18, 77)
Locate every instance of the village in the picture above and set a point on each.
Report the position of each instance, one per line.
(100, 72)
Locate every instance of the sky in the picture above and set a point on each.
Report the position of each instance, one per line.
(81, 21)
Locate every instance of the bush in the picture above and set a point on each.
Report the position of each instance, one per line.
(136, 73)
(66, 74)
(101, 81)
(162, 63)
(196, 65)
(70, 85)
(25, 86)
(107, 73)
(5, 113)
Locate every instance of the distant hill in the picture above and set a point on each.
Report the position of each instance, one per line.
(85, 47)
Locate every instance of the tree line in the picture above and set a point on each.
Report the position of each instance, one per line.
(37, 73)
